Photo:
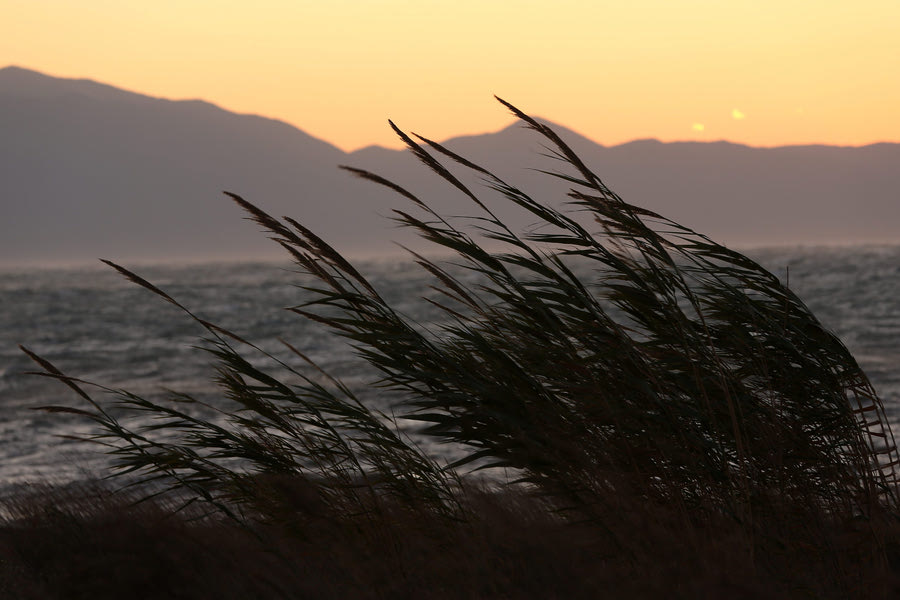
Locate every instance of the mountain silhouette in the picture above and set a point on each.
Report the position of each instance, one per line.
(89, 170)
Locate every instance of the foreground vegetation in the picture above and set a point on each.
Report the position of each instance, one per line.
(677, 423)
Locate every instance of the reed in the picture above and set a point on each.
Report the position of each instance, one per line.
(646, 385)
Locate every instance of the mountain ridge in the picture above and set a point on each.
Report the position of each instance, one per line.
(512, 125)
(90, 170)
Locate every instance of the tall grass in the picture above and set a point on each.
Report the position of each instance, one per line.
(676, 391)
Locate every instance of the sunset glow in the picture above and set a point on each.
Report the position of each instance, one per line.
(819, 71)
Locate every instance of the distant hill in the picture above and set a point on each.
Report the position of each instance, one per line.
(89, 170)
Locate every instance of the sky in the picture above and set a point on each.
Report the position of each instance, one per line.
(761, 72)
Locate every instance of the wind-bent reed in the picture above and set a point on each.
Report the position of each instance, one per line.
(678, 378)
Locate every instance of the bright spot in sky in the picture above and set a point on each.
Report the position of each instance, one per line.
(736, 114)
(698, 126)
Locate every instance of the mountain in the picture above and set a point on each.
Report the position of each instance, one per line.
(89, 170)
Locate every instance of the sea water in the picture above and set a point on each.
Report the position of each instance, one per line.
(93, 324)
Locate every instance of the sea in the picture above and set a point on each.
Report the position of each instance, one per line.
(94, 325)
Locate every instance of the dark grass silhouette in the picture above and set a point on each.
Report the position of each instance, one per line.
(678, 421)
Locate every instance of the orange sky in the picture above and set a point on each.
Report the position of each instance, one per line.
(759, 72)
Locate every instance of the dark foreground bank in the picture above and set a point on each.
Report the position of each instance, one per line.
(67, 544)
